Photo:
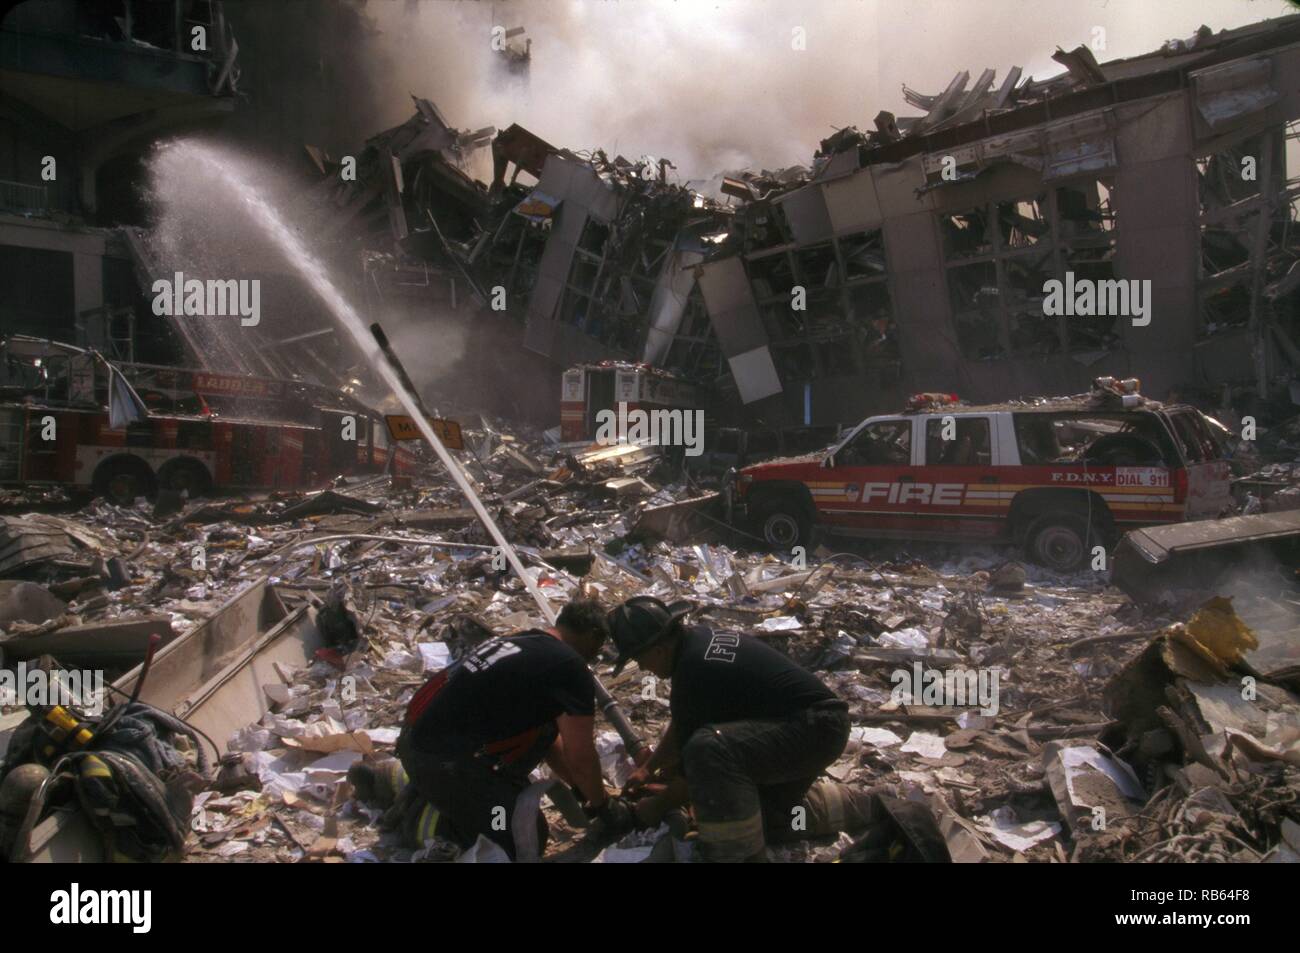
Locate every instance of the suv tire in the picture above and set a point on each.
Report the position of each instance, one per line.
(784, 524)
(1061, 542)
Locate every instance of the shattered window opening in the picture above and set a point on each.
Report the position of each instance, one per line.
(1032, 333)
(968, 234)
(1099, 331)
(887, 443)
(1245, 265)
(863, 255)
(1086, 217)
(1093, 439)
(1085, 209)
(1023, 223)
(845, 282)
(970, 444)
(772, 276)
(818, 267)
(694, 353)
(872, 310)
(997, 301)
(977, 309)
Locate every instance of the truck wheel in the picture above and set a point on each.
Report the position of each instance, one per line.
(784, 525)
(1060, 541)
(122, 481)
(185, 476)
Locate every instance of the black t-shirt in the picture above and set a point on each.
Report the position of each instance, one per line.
(719, 677)
(495, 698)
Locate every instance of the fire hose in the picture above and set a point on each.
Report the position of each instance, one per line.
(608, 706)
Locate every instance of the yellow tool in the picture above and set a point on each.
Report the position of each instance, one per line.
(64, 731)
(67, 730)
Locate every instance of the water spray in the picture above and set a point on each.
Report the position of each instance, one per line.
(374, 345)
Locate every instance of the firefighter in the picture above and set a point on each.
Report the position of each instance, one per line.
(474, 732)
(750, 732)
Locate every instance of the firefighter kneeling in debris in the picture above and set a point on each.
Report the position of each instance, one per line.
(474, 732)
(750, 733)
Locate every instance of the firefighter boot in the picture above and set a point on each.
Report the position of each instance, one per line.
(378, 782)
(16, 793)
(833, 807)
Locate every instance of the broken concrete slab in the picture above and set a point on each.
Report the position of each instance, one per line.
(456, 517)
(114, 643)
(31, 542)
(680, 520)
(628, 487)
(1150, 563)
(28, 602)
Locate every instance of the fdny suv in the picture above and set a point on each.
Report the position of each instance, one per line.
(1058, 476)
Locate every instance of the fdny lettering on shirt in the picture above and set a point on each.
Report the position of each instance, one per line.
(722, 648)
(489, 653)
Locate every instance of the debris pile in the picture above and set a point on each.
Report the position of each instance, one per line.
(1083, 727)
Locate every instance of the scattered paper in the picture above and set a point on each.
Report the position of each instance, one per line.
(925, 744)
(1003, 826)
(434, 655)
(910, 638)
(880, 737)
(780, 623)
(484, 851)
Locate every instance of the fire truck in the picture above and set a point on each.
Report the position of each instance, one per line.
(70, 416)
(1057, 476)
(588, 389)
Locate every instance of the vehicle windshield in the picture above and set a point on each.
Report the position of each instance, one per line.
(883, 443)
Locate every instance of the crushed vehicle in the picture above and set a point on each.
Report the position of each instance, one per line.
(1057, 476)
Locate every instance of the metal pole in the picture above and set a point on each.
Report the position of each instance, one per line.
(608, 706)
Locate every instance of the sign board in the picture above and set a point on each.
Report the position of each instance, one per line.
(402, 427)
(205, 383)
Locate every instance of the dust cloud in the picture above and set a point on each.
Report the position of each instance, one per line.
(720, 85)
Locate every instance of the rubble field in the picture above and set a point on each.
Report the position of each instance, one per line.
(1095, 729)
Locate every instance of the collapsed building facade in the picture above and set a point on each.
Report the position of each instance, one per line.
(922, 247)
(915, 281)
